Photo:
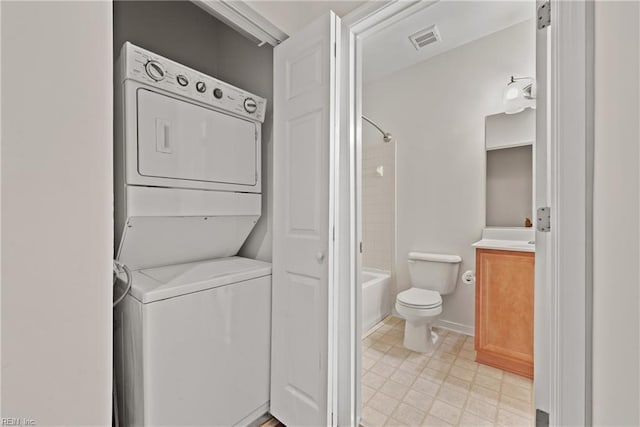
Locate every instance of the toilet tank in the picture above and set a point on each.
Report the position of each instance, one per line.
(435, 272)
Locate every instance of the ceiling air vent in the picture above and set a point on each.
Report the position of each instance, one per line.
(425, 37)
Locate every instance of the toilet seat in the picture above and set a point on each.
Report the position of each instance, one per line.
(419, 298)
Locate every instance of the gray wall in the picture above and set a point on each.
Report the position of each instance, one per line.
(57, 212)
(183, 32)
(509, 186)
(436, 112)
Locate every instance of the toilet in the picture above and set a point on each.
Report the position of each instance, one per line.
(432, 275)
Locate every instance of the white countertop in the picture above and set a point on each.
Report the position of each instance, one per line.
(507, 239)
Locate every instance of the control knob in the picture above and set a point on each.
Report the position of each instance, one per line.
(201, 87)
(217, 92)
(250, 105)
(154, 70)
(182, 80)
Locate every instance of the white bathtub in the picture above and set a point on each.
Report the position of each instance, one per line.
(376, 297)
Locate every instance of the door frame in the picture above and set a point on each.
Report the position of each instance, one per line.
(564, 281)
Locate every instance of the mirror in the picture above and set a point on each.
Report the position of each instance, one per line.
(509, 142)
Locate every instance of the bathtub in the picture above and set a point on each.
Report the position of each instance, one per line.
(376, 297)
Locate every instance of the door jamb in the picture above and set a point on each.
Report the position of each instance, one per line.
(570, 175)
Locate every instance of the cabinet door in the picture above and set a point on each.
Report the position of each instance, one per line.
(504, 310)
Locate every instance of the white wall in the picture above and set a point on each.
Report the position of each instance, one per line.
(616, 281)
(436, 111)
(56, 211)
(378, 201)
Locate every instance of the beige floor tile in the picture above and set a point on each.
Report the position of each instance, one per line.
(367, 362)
(446, 412)
(418, 400)
(373, 380)
(481, 408)
(395, 423)
(403, 377)
(390, 339)
(384, 328)
(462, 373)
(381, 346)
(394, 389)
(516, 406)
(438, 365)
(367, 393)
(392, 360)
(452, 396)
(446, 387)
(425, 386)
(509, 419)
(408, 414)
(517, 380)
(382, 369)
(431, 421)
(400, 352)
(372, 417)
(420, 359)
(490, 371)
(443, 356)
(472, 420)
(467, 354)
(373, 353)
(517, 392)
(457, 382)
(383, 403)
(450, 348)
(411, 367)
(491, 383)
(466, 364)
(485, 394)
(433, 375)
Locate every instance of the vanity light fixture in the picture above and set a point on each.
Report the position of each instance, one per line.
(519, 94)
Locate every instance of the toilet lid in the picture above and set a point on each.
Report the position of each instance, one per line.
(422, 298)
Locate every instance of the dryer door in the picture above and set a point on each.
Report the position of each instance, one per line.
(180, 140)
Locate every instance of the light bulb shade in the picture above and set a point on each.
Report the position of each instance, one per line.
(518, 95)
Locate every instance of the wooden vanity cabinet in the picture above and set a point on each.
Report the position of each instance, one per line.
(504, 310)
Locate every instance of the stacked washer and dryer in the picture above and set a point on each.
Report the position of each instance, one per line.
(192, 337)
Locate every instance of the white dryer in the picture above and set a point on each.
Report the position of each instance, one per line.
(192, 337)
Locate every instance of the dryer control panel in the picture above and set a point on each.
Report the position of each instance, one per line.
(147, 67)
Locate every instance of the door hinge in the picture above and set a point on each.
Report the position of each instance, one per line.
(334, 234)
(360, 246)
(335, 50)
(544, 15)
(543, 219)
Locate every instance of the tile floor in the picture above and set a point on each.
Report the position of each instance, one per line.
(404, 388)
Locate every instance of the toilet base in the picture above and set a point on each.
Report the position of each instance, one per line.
(420, 337)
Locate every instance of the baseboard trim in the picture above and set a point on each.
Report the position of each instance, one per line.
(455, 327)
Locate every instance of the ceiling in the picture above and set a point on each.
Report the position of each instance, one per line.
(291, 16)
(458, 22)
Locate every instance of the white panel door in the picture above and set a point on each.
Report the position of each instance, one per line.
(305, 129)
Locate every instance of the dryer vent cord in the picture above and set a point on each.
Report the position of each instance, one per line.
(117, 269)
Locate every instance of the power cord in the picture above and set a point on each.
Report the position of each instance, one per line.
(119, 268)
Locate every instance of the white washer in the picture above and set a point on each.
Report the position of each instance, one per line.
(193, 344)
(192, 338)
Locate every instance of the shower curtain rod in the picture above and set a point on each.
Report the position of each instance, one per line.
(386, 135)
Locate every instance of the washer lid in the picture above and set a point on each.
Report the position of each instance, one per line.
(161, 283)
(419, 298)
